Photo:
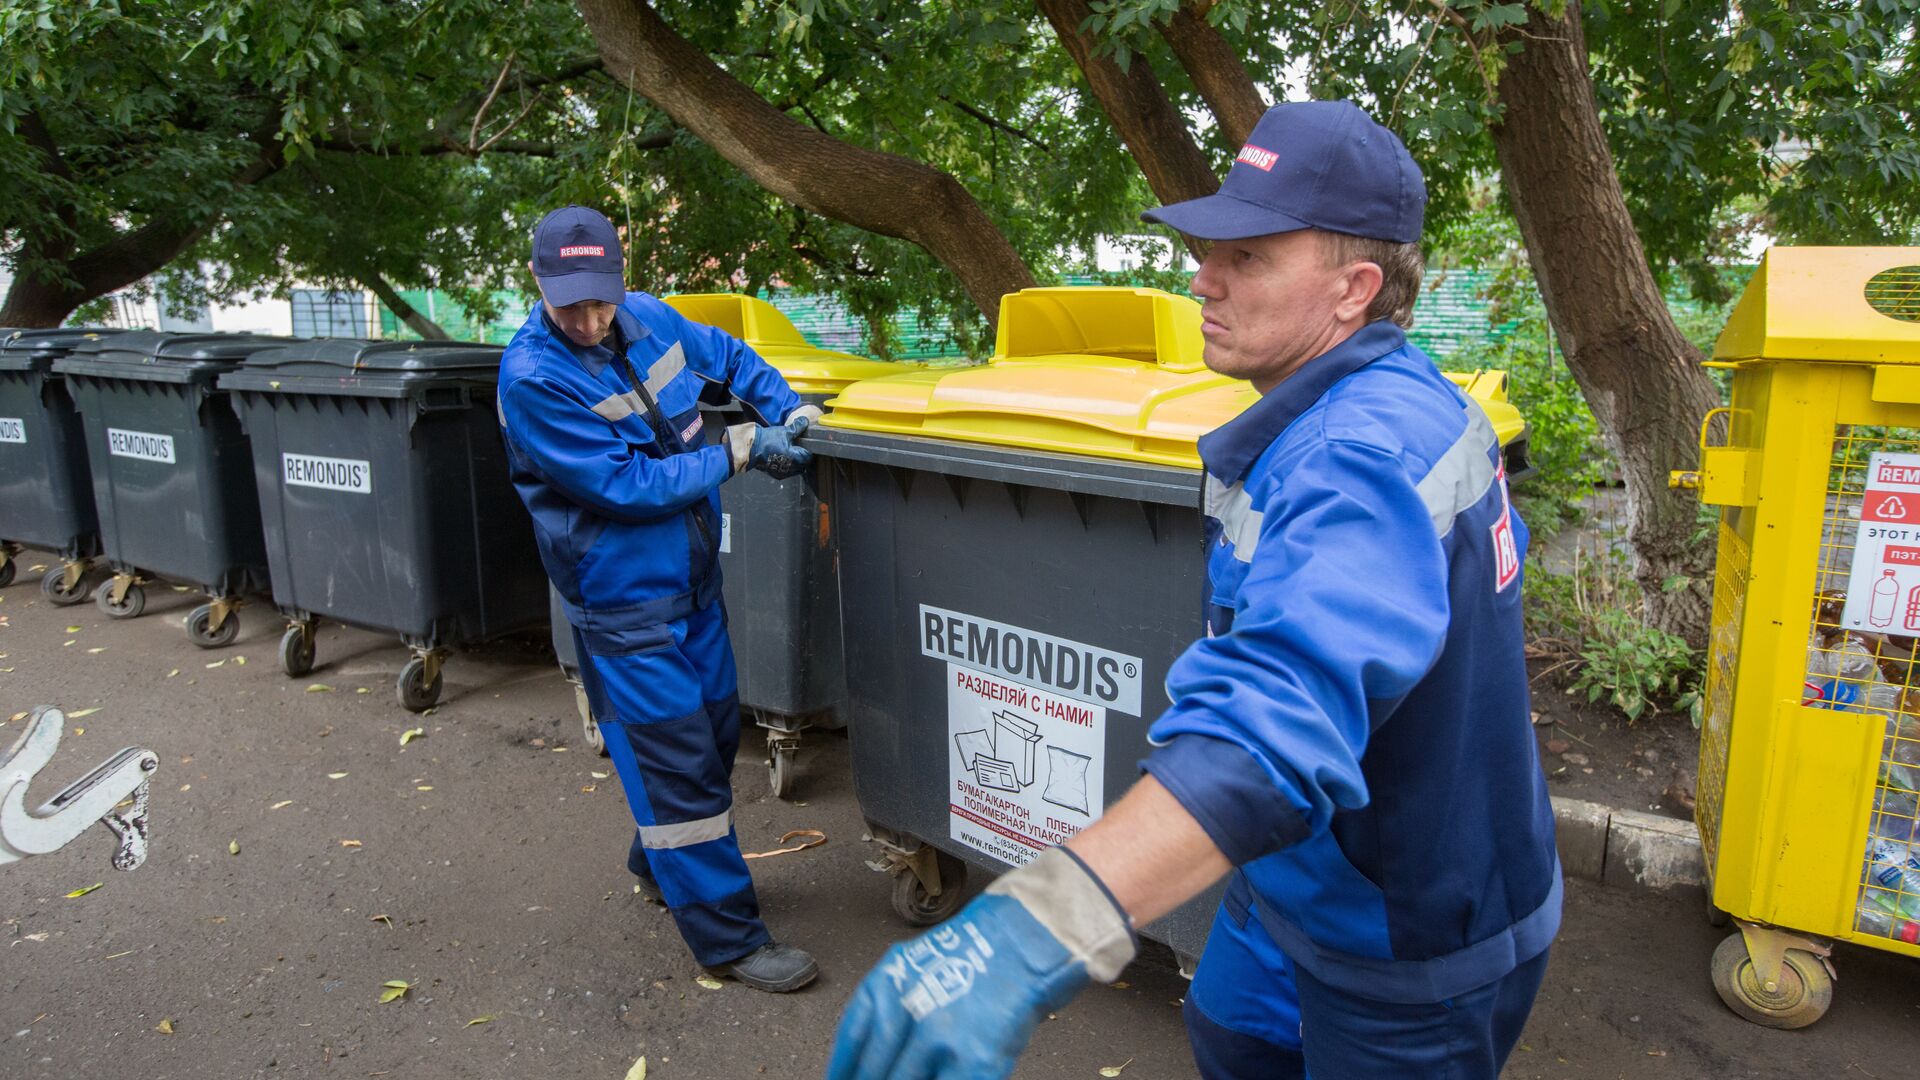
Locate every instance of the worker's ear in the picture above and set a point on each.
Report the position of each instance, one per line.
(1359, 283)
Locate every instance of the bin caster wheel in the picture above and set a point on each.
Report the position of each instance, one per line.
(202, 617)
(780, 773)
(54, 588)
(1803, 994)
(911, 901)
(415, 693)
(589, 727)
(7, 569)
(296, 651)
(130, 605)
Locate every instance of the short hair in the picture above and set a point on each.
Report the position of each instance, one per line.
(1401, 268)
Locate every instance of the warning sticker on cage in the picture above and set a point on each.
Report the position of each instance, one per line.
(1883, 590)
(1024, 765)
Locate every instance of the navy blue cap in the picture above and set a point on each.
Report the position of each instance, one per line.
(576, 256)
(1311, 165)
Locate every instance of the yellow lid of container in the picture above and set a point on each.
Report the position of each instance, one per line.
(807, 369)
(1828, 303)
(1096, 370)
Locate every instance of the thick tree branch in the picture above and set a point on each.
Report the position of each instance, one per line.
(1216, 69)
(1153, 130)
(402, 310)
(880, 192)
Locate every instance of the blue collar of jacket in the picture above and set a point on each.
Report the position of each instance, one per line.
(627, 329)
(1230, 450)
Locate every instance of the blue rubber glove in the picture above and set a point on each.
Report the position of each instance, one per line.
(773, 450)
(961, 1001)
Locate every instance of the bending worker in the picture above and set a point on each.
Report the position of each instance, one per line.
(1350, 742)
(600, 402)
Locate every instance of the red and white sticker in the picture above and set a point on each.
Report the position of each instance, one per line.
(1258, 157)
(1506, 551)
(575, 251)
(1883, 589)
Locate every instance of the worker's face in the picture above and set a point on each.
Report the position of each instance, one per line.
(1272, 303)
(585, 323)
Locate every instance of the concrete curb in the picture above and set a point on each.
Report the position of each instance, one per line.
(1626, 849)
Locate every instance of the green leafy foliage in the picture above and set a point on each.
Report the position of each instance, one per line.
(1591, 617)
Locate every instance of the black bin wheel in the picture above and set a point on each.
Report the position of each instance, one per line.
(911, 901)
(8, 568)
(413, 690)
(202, 617)
(296, 651)
(53, 587)
(130, 605)
(1803, 994)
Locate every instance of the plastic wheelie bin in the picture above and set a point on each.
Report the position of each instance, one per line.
(1021, 562)
(46, 498)
(776, 557)
(1810, 740)
(172, 472)
(385, 498)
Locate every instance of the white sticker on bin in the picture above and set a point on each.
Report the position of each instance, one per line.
(334, 474)
(144, 445)
(1087, 672)
(12, 429)
(726, 534)
(1025, 765)
(1883, 589)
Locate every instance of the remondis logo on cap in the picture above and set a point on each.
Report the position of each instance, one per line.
(576, 250)
(1257, 157)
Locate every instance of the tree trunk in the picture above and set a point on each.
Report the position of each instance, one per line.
(1640, 375)
(38, 300)
(1152, 129)
(879, 192)
(1216, 69)
(402, 310)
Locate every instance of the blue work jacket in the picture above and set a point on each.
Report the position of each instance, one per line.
(621, 480)
(1354, 732)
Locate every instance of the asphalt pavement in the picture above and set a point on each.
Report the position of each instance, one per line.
(303, 857)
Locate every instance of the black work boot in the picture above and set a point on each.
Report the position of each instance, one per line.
(772, 967)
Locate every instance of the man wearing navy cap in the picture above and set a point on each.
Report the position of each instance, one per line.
(600, 402)
(1350, 744)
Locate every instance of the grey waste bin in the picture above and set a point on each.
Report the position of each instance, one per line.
(172, 471)
(1010, 616)
(45, 496)
(385, 498)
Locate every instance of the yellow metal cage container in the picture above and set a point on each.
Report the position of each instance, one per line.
(1810, 743)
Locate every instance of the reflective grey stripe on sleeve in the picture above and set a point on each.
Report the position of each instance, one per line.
(671, 363)
(687, 833)
(1463, 474)
(1232, 507)
(617, 406)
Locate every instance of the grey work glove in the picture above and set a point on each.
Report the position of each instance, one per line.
(773, 450)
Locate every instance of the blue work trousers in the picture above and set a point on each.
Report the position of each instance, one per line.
(669, 708)
(1253, 1015)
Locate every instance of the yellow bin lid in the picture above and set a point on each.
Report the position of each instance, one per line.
(1828, 303)
(807, 369)
(1099, 370)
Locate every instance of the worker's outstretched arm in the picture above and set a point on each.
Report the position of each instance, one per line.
(576, 452)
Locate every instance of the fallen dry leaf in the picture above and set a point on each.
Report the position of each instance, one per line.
(394, 990)
(423, 787)
(1558, 746)
(73, 629)
(233, 847)
(639, 1070)
(411, 734)
(350, 843)
(381, 919)
(41, 936)
(241, 660)
(598, 775)
(1116, 1070)
(172, 673)
(319, 688)
(336, 776)
(17, 716)
(216, 663)
(83, 712)
(818, 839)
(362, 690)
(164, 1027)
(84, 890)
(479, 1020)
(709, 982)
(281, 805)
(96, 651)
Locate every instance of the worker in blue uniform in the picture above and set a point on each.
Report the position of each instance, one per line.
(1350, 744)
(599, 399)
